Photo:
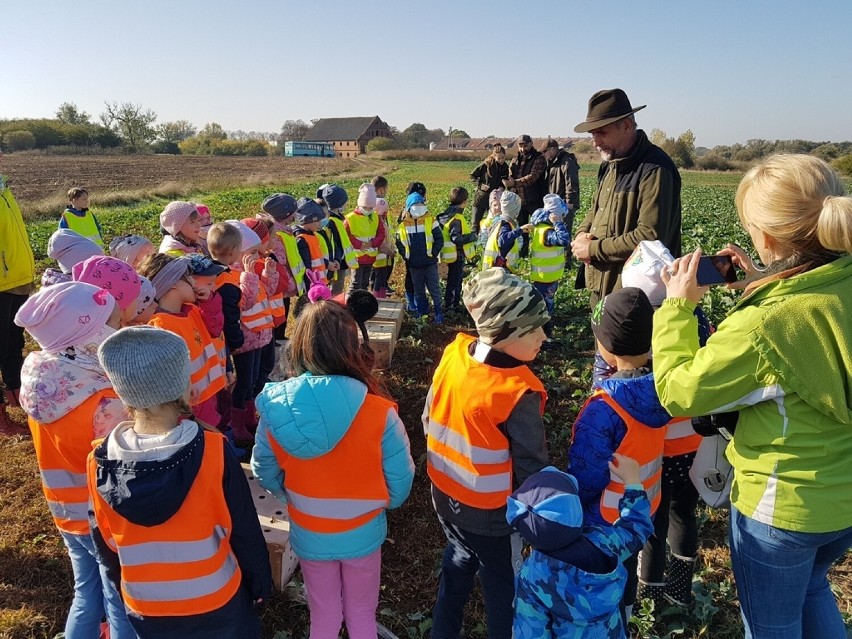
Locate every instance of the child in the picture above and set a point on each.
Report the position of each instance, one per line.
(571, 583)
(623, 416)
(70, 402)
(367, 234)
(548, 240)
(116, 277)
(309, 220)
(501, 249)
(205, 271)
(459, 243)
(383, 265)
(177, 312)
(146, 305)
(337, 237)
(131, 249)
(205, 222)
(180, 225)
(380, 184)
(493, 214)
(420, 188)
(486, 401)
(282, 208)
(318, 431)
(67, 248)
(419, 241)
(173, 518)
(79, 218)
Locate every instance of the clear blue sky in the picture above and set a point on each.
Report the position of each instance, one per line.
(729, 70)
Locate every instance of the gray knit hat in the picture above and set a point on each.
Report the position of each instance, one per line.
(147, 366)
(503, 306)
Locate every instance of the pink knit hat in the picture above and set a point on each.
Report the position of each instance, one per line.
(111, 274)
(367, 195)
(175, 215)
(203, 214)
(381, 206)
(65, 314)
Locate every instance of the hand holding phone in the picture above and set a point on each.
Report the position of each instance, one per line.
(714, 270)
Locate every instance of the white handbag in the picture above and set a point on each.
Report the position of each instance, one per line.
(711, 473)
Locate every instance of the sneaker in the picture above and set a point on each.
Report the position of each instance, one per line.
(439, 318)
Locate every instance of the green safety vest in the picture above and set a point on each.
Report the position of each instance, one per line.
(364, 228)
(450, 253)
(85, 226)
(547, 263)
(294, 260)
(492, 250)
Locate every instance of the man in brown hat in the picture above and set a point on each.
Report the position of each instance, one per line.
(638, 195)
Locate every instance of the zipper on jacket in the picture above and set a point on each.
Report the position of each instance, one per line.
(5, 266)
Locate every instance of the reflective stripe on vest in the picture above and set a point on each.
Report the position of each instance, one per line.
(184, 566)
(276, 306)
(323, 499)
(259, 316)
(61, 448)
(318, 257)
(85, 226)
(492, 247)
(349, 254)
(547, 263)
(642, 443)
(411, 226)
(450, 252)
(294, 260)
(681, 438)
(468, 457)
(364, 228)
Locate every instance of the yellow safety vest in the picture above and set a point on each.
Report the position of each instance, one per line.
(547, 263)
(85, 226)
(402, 231)
(364, 228)
(294, 260)
(492, 250)
(349, 254)
(450, 253)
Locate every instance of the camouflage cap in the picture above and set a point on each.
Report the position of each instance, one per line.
(503, 306)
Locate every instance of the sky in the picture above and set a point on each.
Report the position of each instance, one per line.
(729, 70)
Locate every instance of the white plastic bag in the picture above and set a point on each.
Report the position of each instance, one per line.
(642, 270)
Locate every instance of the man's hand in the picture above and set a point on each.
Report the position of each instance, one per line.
(509, 183)
(580, 246)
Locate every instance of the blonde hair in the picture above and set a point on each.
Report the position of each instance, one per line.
(800, 202)
(222, 238)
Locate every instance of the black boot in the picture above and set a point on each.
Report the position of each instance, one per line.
(679, 587)
(654, 592)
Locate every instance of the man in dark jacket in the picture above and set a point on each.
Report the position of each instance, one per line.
(527, 179)
(637, 198)
(563, 174)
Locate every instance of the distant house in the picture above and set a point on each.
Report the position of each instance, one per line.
(348, 135)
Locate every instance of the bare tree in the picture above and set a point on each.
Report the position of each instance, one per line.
(132, 122)
(176, 131)
(293, 130)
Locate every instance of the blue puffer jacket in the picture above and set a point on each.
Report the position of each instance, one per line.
(308, 416)
(598, 432)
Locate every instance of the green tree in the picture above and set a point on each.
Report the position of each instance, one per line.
(844, 164)
(176, 131)
(70, 114)
(459, 133)
(213, 131)
(132, 122)
(19, 141)
(380, 144)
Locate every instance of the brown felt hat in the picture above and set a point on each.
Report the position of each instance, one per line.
(606, 107)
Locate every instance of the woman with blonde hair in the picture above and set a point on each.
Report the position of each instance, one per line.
(488, 176)
(782, 358)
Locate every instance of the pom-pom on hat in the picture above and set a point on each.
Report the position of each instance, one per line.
(510, 205)
(69, 248)
(335, 196)
(308, 211)
(622, 322)
(280, 206)
(175, 215)
(503, 306)
(367, 195)
(147, 366)
(111, 274)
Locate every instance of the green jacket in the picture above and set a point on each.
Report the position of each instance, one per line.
(783, 358)
(638, 198)
(17, 267)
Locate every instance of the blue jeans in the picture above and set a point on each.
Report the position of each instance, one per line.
(466, 555)
(422, 278)
(94, 593)
(782, 580)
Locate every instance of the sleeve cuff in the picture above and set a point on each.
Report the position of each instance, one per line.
(681, 303)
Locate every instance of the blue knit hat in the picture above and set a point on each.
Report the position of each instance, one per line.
(279, 205)
(546, 510)
(412, 199)
(334, 196)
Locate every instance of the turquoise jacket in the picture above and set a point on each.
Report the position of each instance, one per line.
(783, 358)
(308, 416)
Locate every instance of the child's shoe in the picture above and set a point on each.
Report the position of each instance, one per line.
(439, 318)
(380, 294)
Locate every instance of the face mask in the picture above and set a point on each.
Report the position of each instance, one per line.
(324, 222)
(418, 210)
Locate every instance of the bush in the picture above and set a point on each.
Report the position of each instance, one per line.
(843, 164)
(712, 161)
(423, 155)
(204, 145)
(380, 144)
(50, 133)
(19, 141)
(161, 146)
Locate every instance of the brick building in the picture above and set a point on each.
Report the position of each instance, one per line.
(348, 135)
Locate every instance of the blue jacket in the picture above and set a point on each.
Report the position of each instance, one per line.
(598, 432)
(307, 416)
(506, 237)
(417, 256)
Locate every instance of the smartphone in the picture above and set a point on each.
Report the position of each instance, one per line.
(716, 269)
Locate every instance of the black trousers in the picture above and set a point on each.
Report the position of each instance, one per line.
(11, 340)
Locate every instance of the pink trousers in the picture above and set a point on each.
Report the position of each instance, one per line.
(206, 411)
(346, 590)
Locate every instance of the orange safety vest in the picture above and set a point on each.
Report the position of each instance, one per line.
(468, 457)
(259, 316)
(276, 300)
(61, 448)
(184, 566)
(206, 369)
(320, 496)
(681, 438)
(317, 256)
(642, 443)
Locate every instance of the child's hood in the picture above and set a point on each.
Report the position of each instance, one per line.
(149, 493)
(308, 415)
(638, 397)
(447, 214)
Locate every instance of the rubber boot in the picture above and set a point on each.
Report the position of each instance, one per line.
(654, 592)
(410, 304)
(679, 586)
(238, 425)
(13, 398)
(251, 416)
(380, 294)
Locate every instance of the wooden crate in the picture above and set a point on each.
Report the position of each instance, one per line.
(272, 514)
(391, 312)
(382, 340)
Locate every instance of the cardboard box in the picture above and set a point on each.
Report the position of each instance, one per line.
(272, 514)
